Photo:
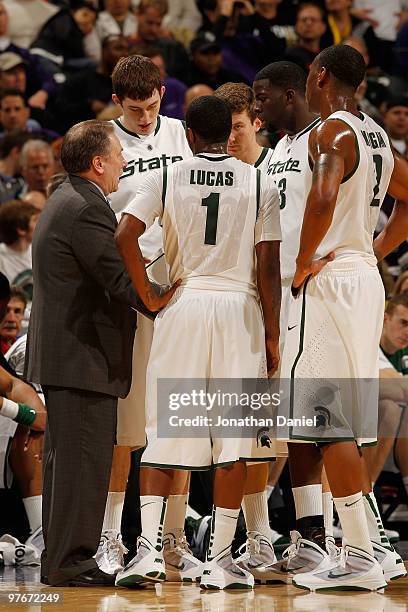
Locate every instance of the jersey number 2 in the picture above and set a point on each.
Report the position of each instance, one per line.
(212, 203)
(378, 162)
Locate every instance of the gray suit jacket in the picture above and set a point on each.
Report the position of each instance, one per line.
(81, 327)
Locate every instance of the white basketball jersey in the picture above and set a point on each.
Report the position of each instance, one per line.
(290, 169)
(361, 193)
(263, 160)
(214, 210)
(166, 145)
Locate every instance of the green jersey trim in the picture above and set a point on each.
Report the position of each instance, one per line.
(122, 127)
(262, 156)
(258, 190)
(308, 128)
(216, 159)
(164, 187)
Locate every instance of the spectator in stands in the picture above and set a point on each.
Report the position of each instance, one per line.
(150, 14)
(310, 27)
(27, 18)
(36, 198)
(172, 104)
(206, 65)
(37, 165)
(183, 20)
(11, 183)
(396, 124)
(393, 417)
(15, 115)
(40, 84)
(118, 19)
(195, 92)
(246, 33)
(17, 224)
(364, 103)
(401, 284)
(341, 24)
(95, 86)
(10, 326)
(60, 42)
(385, 20)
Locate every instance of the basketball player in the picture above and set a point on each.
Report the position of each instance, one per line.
(258, 550)
(280, 91)
(335, 321)
(217, 213)
(149, 141)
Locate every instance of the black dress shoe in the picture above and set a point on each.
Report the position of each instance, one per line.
(93, 577)
(44, 579)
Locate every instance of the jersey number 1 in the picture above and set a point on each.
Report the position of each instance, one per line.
(211, 202)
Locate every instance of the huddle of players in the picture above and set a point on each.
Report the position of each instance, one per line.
(210, 235)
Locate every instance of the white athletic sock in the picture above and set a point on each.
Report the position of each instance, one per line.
(308, 500)
(375, 526)
(327, 500)
(175, 515)
(255, 507)
(405, 481)
(153, 510)
(33, 508)
(113, 511)
(354, 522)
(223, 525)
(269, 490)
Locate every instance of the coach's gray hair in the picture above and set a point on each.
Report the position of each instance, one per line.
(83, 142)
(34, 145)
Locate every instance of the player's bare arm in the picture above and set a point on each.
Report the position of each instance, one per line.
(269, 288)
(127, 237)
(332, 149)
(20, 392)
(396, 230)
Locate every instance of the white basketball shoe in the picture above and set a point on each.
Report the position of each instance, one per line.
(180, 564)
(390, 561)
(146, 567)
(222, 572)
(110, 553)
(257, 552)
(357, 570)
(301, 556)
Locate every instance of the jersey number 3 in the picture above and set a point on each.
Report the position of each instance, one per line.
(212, 203)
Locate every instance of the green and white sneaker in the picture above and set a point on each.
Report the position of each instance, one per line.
(357, 570)
(255, 553)
(180, 564)
(222, 572)
(147, 567)
(302, 556)
(390, 561)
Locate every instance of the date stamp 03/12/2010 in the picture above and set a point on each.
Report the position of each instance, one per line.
(31, 597)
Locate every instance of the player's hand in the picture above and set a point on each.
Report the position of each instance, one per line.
(157, 301)
(303, 272)
(272, 356)
(40, 421)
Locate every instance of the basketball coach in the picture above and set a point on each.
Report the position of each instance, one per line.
(80, 343)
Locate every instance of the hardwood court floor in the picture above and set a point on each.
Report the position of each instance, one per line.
(174, 598)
